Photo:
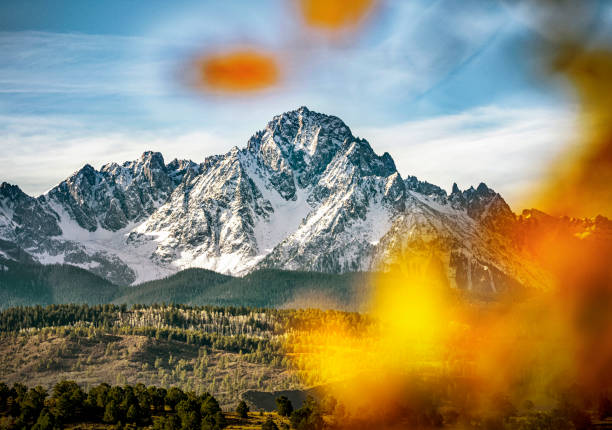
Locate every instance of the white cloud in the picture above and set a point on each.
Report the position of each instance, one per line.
(37, 153)
(508, 149)
(66, 63)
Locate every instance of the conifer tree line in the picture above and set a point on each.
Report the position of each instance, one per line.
(128, 406)
(28, 284)
(260, 334)
(213, 319)
(250, 331)
(134, 406)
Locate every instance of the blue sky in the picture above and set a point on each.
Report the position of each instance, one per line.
(447, 87)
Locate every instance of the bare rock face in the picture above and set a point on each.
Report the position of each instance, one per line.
(118, 194)
(304, 194)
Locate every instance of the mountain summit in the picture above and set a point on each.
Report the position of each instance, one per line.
(301, 185)
(303, 194)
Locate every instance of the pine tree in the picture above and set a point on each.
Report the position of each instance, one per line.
(284, 406)
(269, 425)
(111, 413)
(242, 409)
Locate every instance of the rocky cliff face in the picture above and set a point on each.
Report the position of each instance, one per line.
(119, 194)
(82, 221)
(303, 194)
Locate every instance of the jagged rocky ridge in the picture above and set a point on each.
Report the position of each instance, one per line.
(304, 194)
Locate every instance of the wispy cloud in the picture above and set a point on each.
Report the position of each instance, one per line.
(509, 149)
(37, 153)
(408, 51)
(44, 62)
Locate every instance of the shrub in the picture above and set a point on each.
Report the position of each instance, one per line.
(269, 425)
(242, 409)
(284, 406)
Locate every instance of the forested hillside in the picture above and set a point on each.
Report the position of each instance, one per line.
(262, 288)
(27, 284)
(220, 350)
(182, 287)
(24, 284)
(159, 365)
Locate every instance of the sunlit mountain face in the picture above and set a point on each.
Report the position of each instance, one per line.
(303, 194)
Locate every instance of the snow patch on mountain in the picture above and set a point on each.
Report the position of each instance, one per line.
(102, 242)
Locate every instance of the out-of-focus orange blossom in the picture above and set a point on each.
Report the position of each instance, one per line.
(335, 14)
(581, 183)
(237, 71)
(421, 338)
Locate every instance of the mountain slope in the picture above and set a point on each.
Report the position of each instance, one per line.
(290, 289)
(303, 194)
(182, 287)
(24, 284)
(260, 288)
(27, 284)
(299, 185)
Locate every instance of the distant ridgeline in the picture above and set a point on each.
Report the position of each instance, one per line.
(29, 283)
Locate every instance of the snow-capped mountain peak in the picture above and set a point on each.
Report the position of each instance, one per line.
(304, 193)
